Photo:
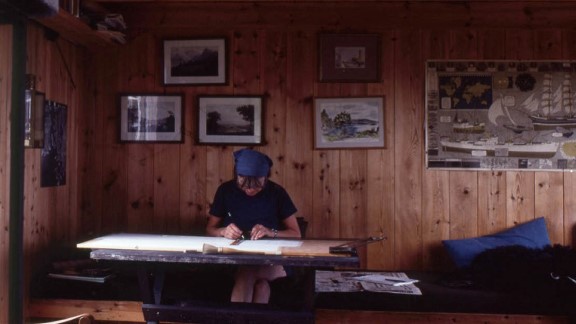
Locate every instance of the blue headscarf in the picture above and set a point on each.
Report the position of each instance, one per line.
(252, 163)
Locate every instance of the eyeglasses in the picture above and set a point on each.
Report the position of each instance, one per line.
(250, 182)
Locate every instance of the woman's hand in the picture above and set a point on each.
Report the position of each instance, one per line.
(231, 232)
(260, 231)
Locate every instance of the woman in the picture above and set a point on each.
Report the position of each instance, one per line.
(256, 207)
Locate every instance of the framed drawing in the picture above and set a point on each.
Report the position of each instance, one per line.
(349, 122)
(151, 118)
(230, 120)
(500, 114)
(53, 162)
(195, 61)
(349, 57)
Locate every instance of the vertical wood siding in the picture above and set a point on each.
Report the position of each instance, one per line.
(5, 107)
(168, 188)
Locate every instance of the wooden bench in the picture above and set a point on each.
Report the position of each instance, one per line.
(131, 312)
(436, 305)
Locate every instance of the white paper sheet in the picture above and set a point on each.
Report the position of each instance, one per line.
(153, 242)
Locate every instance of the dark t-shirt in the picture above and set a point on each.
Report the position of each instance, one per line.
(269, 207)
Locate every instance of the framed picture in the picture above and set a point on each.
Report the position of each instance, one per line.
(151, 118)
(230, 120)
(349, 122)
(349, 57)
(195, 61)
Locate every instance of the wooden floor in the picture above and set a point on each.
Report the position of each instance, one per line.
(130, 312)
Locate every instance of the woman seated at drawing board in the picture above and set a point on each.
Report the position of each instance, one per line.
(256, 207)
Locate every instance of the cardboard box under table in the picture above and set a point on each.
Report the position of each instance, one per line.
(151, 255)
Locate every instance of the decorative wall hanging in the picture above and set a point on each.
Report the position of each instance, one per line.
(151, 118)
(501, 115)
(230, 120)
(195, 61)
(349, 122)
(349, 57)
(53, 162)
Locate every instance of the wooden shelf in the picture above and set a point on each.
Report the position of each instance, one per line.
(76, 31)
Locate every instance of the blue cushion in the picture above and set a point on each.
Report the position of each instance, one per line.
(532, 234)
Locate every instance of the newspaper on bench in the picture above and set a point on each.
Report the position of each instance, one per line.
(353, 281)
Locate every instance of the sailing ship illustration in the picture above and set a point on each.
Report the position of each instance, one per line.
(556, 108)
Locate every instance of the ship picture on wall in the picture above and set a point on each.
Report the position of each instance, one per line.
(501, 115)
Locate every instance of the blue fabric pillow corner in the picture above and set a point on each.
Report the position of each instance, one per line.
(532, 234)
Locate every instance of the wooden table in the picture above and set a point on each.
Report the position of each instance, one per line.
(151, 254)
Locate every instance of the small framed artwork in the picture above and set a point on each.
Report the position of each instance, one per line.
(349, 122)
(349, 57)
(195, 61)
(151, 118)
(230, 120)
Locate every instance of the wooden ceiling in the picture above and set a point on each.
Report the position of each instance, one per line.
(345, 13)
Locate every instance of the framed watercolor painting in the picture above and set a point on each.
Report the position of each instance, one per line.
(349, 57)
(349, 122)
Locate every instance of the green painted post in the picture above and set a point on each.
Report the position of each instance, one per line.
(16, 261)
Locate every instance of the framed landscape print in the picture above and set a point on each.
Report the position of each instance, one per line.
(500, 114)
(230, 120)
(349, 122)
(349, 57)
(195, 61)
(151, 118)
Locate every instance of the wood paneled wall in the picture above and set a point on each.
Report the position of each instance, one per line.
(167, 188)
(5, 95)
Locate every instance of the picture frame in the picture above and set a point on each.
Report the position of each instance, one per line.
(199, 61)
(349, 57)
(151, 118)
(224, 120)
(349, 122)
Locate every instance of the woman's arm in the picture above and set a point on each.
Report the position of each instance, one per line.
(213, 228)
(291, 229)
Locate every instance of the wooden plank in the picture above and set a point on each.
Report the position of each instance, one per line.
(166, 191)
(323, 221)
(324, 316)
(274, 63)
(491, 202)
(463, 205)
(379, 173)
(138, 76)
(549, 202)
(384, 15)
(299, 160)
(5, 100)
(520, 197)
(408, 154)
(101, 310)
(353, 197)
